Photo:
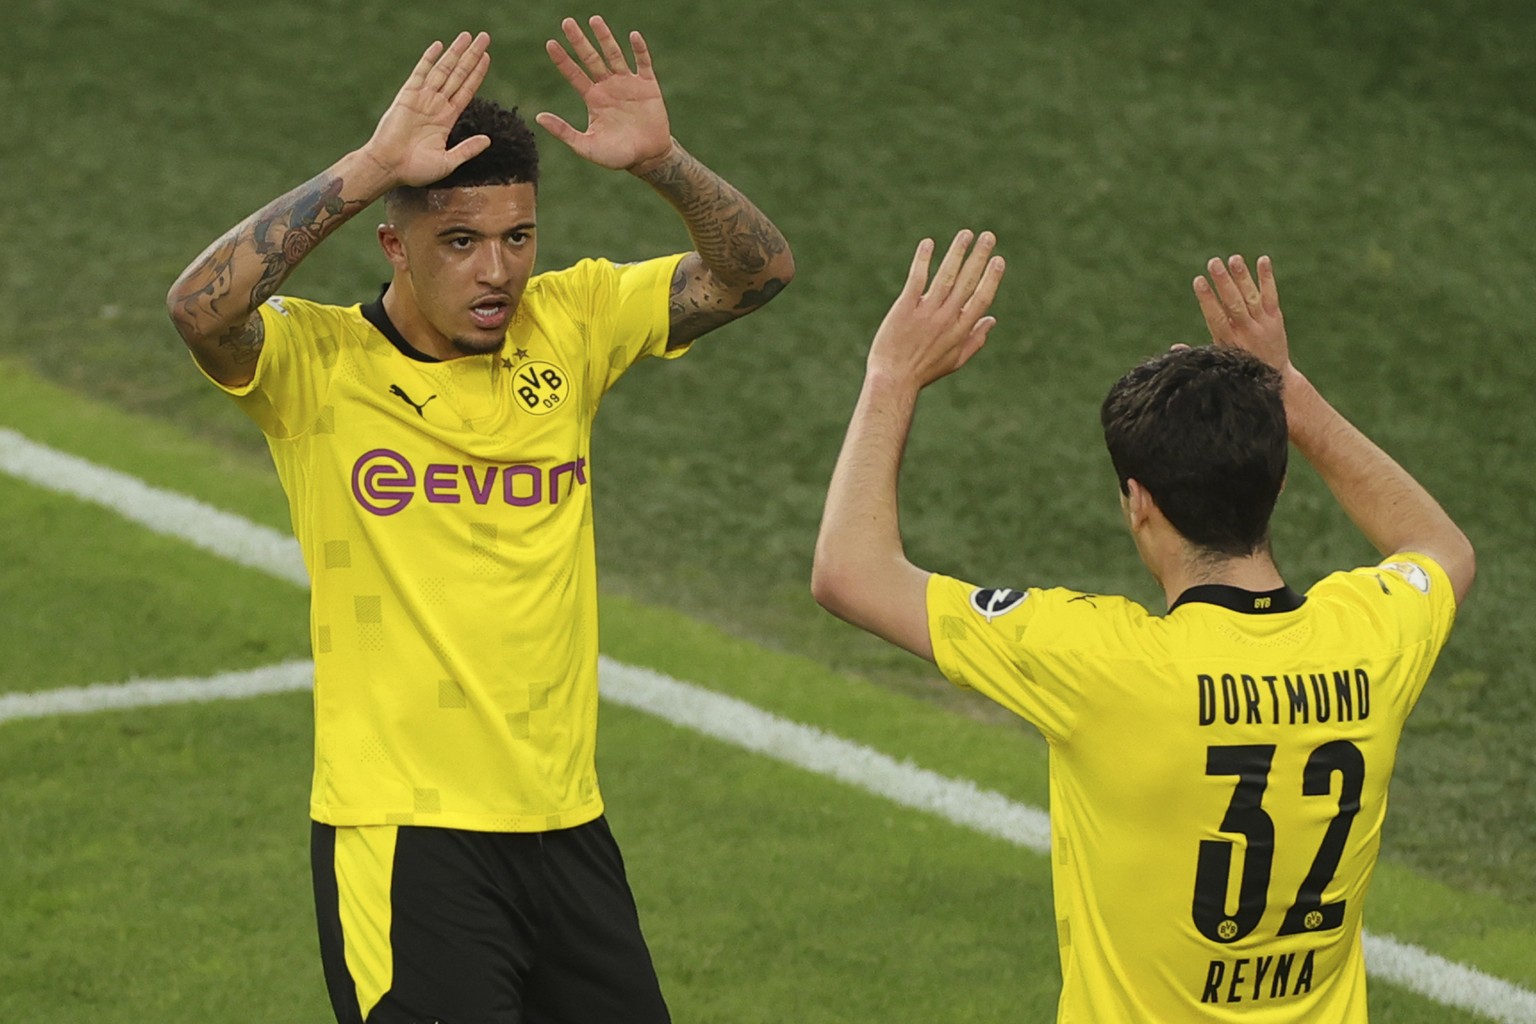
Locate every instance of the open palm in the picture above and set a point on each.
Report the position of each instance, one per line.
(411, 140)
(627, 121)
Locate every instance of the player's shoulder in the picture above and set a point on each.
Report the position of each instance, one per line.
(586, 273)
(1406, 573)
(1055, 616)
(300, 313)
(1406, 592)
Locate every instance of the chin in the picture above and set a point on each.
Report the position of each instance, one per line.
(479, 346)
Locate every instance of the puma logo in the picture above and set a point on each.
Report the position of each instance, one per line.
(395, 389)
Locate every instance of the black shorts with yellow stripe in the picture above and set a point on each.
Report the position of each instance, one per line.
(444, 926)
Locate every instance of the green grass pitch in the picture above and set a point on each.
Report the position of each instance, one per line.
(1113, 145)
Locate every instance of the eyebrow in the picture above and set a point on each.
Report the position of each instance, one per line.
(464, 229)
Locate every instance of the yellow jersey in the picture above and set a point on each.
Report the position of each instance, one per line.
(1218, 779)
(444, 509)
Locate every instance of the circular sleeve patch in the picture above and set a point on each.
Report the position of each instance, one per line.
(990, 602)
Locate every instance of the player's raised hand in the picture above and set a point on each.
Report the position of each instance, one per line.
(934, 327)
(411, 140)
(1242, 313)
(627, 125)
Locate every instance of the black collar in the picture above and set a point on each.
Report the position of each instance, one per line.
(1250, 602)
(374, 313)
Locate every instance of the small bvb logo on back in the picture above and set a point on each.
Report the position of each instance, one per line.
(540, 387)
(1227, 930)
(1313, 920)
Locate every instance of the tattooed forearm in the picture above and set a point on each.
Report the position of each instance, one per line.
(694, 308)
(215, 297)
(733, 237)
(742, 258)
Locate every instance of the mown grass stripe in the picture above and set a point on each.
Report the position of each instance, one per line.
(725, 718)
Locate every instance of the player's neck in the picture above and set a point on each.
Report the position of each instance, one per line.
(401, 308)
(1193, 568)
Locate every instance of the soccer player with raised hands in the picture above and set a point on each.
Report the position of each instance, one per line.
(1219, 771)
(434, 444)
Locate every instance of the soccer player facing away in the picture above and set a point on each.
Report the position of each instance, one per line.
(433, 443)
(1218, 772)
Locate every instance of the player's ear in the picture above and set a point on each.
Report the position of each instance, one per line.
(393, 243)
(1138, 503)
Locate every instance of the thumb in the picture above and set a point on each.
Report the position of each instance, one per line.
(469, 149)
(558, 127)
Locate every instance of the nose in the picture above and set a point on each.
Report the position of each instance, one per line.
(494, 266)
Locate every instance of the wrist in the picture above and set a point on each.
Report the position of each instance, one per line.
(887, 382)
(367, 174)
(647, 166)
(1303, 405)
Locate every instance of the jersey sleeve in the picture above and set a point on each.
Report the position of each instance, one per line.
(1413, 594)
(293, 370)
(981, 641)
(627, 314)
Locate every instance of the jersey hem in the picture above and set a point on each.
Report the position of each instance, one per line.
(352, 818)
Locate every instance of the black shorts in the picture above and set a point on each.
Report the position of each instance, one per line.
(444, 926)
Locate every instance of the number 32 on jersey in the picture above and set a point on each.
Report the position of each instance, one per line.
(1246, 816)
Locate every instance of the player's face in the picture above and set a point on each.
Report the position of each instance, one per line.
(465, 260)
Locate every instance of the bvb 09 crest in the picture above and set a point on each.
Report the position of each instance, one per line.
(540, 387)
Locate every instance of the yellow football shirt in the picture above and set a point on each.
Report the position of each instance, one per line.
(1218, 779)
(445, 514)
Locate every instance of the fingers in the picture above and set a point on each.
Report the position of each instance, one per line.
(917, 275)
(471, 82)
(455, 72)
(1245, 284)
(933, 329)
(1226, 289)
(469, 149)
(613, 55)
(582, 47)
(449, 62)
(985, 289)
(643, 66)
(559, 127)
(949, 269)
(598, 64)
(568, 68)
(1269, 293)
(419, 73)
(1210, 309)
(968, 275)
(976, 264)
(976, 339)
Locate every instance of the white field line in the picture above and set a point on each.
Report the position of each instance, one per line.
(693, 707)
(141, 693)
(231, 537)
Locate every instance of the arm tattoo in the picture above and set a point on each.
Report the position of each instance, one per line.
(740, 252)
(244, 342)
(252, 260)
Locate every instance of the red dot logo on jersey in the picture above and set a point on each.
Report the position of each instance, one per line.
(385, 482)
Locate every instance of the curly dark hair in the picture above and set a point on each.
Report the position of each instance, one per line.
(511, 158)
(1204, 431)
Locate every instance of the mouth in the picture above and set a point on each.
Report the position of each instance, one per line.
(491, 314)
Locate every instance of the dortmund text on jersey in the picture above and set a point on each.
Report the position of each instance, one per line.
(1218, 779)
